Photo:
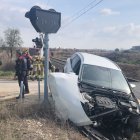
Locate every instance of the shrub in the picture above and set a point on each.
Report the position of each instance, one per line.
(6, 73)
(8, 66)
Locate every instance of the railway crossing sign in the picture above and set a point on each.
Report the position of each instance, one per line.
(45, 21)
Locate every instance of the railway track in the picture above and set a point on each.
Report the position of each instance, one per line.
(59, 63)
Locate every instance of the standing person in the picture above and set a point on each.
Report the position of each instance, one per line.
(28, 58)
(17, 66)
(21, 71)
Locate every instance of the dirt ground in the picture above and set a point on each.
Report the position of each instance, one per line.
(10, 88)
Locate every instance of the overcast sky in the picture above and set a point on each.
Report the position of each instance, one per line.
(110, 24)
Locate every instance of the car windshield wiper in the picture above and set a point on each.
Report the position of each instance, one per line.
(92, 87)
(118, 92)
(88, 85)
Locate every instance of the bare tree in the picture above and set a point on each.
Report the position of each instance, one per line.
(12, 40)
(2, 43)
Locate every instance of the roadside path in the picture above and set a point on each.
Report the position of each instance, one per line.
(10, 89)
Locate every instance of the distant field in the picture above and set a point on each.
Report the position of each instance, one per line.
(129, 62)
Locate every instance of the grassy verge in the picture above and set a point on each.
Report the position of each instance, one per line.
(20, 121)
(6, 74)
(32, 121)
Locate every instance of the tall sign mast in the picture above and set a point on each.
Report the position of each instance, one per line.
(46, 22)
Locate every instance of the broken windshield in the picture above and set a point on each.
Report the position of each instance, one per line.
(104, 77)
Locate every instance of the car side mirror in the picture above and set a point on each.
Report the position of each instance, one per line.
(132, 85)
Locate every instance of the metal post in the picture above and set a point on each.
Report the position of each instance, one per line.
(21, 89)
(39, 88)
(46, 67)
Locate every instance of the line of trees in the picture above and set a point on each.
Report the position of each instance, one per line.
(12, 39)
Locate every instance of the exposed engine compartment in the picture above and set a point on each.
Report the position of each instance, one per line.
(113, 115)
(99, 112)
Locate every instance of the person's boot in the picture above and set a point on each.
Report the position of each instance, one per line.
(17, 97)
(26, 92)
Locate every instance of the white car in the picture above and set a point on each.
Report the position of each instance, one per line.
(94, 92)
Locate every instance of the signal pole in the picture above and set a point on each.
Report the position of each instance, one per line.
(46, 66)
(45, 21)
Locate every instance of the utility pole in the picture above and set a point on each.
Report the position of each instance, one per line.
(46, 66)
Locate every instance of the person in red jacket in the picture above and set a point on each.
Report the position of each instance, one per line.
(21, 72)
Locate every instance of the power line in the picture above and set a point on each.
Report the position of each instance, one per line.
(84, 12)
(78, 12)
(75, 18)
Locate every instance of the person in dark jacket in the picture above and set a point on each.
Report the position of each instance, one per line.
(21, 72)
(26, 55)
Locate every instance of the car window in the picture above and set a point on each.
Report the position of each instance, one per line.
(97, 75)
(118, 81)
(105, 77)
(75, 64)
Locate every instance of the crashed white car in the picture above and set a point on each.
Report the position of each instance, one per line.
(94, 92)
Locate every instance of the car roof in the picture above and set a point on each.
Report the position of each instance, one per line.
(92, 59)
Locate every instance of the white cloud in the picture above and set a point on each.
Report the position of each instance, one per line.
(128, 30)
(109, 29)
(79, 34)
(89, 35)
(10, 7)
(18, 9)
(107, 11)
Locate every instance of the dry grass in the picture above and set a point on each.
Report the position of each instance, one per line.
(20, 121)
